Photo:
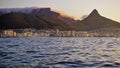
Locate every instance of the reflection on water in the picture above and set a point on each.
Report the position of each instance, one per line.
(59, 52)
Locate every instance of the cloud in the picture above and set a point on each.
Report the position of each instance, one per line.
(63, 14)
(84, 16)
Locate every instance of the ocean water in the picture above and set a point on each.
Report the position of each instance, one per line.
(57, 52)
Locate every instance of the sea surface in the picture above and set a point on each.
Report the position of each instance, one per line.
(60, 52)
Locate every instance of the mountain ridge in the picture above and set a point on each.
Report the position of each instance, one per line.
(44, 18)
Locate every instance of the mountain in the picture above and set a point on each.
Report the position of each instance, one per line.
(38, 11)
(18, 20)
(45, 18)
(96, 21)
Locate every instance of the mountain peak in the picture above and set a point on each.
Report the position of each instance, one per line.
(94, 13)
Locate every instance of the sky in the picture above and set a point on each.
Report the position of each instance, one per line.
(75, 8)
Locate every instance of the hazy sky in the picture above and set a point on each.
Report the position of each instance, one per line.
(76, 8)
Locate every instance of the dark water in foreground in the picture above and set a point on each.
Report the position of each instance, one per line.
(60, 52)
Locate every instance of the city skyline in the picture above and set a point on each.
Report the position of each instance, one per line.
(76, 9)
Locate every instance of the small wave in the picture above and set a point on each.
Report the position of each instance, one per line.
(65, 53)
(8, 57)
(11, 46)
(2, 54)
(110, 64)
(31, 51)
(38, 56)
(67, 62)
